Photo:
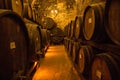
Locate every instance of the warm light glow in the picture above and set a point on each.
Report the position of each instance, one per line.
(54, 11)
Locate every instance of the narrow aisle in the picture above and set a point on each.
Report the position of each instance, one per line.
(56, 66)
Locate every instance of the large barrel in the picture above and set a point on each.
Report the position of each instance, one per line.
(106, 66)
(14, 5)
(70, 48)
(13, 45)
(45, 39)
(86, 55)
(69, 29)
(65, 30)
(35, 41)
(93, 23)
(72, 32)
(112, 20)
(78, 27)
(49, 23)
(76, 47)
(56, 35)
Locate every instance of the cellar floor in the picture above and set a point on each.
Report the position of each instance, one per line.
(56, 66)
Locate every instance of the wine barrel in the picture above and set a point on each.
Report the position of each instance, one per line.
(13, 45)
(76, 47)
(35, 41)
(45, 39)
(49, 23)
(69, 29)
(70, 48)
(78, 27)
(93, 23)
(112, 20)
(65, 30)
(14, 5)
(106, 66)
(56, 35)
(72, 32)
(86, 55)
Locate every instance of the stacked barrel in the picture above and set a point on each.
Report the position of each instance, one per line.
(23, 41)
(97, 56)
(56, 33)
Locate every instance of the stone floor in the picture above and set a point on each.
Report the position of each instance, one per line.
(56, 66)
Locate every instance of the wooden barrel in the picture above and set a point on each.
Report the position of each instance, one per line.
(70, 48)
(65, 31)
(93, 28)
(69, 29)
(112, 20)
(56, 35)
(86, 55)
(13, 45)
(45, 39)
(49, 23)
(72, 32)
(35, 41)
(14, 5)
(106, 66)
(78, 27)
(76, 47)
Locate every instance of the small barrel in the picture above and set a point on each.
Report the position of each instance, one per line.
(69, 29)
(72, 32)
(14, 5)
(112, 20)
(70, 48)
(65, 30)
(14, 43)
(86, 55)
(106, 66)
(78, 27)
(35, 41)
(93, 28)
(76, 47)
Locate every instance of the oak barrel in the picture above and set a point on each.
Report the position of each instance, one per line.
(93, 23)
(13, 45)
(49, 23)
(72, 32)
(57, 35)
(78, 27)
(106, 66)
(35, 41)
(76, 47)
(112, 20)
(45, 36)
(86, 55)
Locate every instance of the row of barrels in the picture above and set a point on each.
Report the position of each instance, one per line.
(93, 63)
(22, 43)
(22, 8)
(56, 34)
(99, 24)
